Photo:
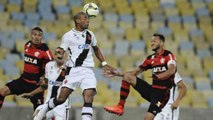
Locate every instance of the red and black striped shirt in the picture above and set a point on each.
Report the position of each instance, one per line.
(159, 63)
(35, 59)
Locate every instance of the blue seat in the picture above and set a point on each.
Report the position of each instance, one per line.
(17, 35)
(158, 17)
(210, 101)
(196, 32)
(121, 48)
(112, 17)
(189, 19)
(18, 16)
(12, 58)
(50, 36)
(165, 31)
(202, 12)
(115, 85)
(62, 10)
(210, 74)
(11, 71)
(186, 45)
(127, 18)
(31, 23)
(8, 43)
(17, 2)
(48, 17)
(204, 85)
(174, 18)
(75, 2)
(32, 16)
(203, 53)
(2, 8)
(138, 45)
(167, 5)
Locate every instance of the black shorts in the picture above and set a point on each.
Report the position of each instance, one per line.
(20, 86)
(157, 97)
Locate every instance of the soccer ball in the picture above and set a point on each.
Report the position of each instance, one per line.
(91, 9)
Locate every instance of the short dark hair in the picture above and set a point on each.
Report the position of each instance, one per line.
(37, 28)
(161, 37)
(78, 15)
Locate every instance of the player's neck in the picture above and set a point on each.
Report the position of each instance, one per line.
(79, 29)
(159, 51)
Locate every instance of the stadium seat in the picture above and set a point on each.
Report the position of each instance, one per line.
(121, 48)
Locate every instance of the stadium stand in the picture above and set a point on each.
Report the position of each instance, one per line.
(123, 30)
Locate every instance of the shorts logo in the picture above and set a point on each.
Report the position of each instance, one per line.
(158, 103)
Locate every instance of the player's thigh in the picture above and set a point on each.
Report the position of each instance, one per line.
(74, 78)
(143, 88)
(15, 86)
(89, 80)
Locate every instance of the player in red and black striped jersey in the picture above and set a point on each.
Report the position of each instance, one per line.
(163, 66)
(36, 55)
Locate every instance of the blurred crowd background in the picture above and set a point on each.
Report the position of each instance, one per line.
(123, 29)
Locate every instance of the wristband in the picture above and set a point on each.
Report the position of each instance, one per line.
(104, 63)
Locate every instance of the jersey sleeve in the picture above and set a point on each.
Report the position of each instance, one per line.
(171, 59)
(46, 71)
(65, 42)
(94, 41)
(177, 78)
(145, 65)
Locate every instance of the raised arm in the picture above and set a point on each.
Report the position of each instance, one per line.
(182, 92)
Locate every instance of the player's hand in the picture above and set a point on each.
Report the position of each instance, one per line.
(26, 95)
(174, 105)
(110, 72)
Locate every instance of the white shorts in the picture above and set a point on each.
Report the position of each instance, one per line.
(167, 113)
(80, 77)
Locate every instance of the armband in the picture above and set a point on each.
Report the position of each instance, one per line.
(104, 63)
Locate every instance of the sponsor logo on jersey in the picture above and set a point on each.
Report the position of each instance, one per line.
(84, 46)
(159, 69)
(30, 60)
(55, 83)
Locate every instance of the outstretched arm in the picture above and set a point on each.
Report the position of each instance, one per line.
(42, 88)
(182, 92)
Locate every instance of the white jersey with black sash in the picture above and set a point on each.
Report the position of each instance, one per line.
(79, 44)
(55, 77)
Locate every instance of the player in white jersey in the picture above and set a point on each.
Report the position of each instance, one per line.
(54, 75)
(80, 42)
(171, 109)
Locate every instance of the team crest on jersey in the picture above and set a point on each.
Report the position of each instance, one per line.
(36, 54)
(162, 60)
(65, 81)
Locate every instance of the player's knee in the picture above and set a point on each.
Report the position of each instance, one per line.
(60, 100)
(4, 91)
(89, 95)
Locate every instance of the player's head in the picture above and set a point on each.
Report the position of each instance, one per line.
(157, 41)
(81, 21)
(60, 55)
(36, 35)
